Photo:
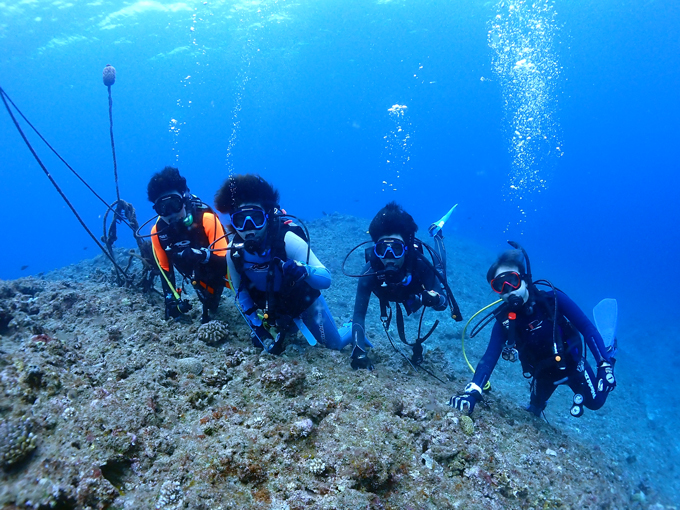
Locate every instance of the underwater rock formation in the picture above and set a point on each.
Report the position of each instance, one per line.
(16, 442)
(136, 412)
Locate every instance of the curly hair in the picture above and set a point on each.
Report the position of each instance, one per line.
(392, 219)
(238, 190)
(166, 180)
(509, 258)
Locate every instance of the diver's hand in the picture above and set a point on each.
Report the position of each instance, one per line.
(294, 270)
(466, 402)
(413, 303)
(195, 256)
(361, 360)
(431, 298)
(605, 377)
(175, 308)
(260, 337)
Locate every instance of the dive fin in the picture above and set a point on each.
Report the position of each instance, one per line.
(606, 314)
(305, 331)
(437, 226)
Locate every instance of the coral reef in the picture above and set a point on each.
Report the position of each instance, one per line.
(16, 442)
(133, 411)
(466, 425)
(213, 332)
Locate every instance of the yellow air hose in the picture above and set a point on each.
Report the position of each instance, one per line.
(172, 287)
(487, 386)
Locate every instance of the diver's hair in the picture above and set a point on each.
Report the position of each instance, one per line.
(392, 219)
(166, 180)
(511, 258)
(238, 190)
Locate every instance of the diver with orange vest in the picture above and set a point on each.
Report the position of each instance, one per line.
(188, 238)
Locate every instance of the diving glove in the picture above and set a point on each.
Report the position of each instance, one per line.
(606, 382)
(294, 271)
(361, 360)
(431, 298)
(175, 308)
(466, 402)
(261, 337)
(413, 303)
(195, 256)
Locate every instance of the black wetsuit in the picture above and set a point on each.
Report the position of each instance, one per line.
(404, 289)
(534, 343)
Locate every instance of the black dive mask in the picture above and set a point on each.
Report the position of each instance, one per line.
(169, 205)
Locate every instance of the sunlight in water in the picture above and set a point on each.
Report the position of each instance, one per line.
(522, 36)
(397, 147)
(253, 18)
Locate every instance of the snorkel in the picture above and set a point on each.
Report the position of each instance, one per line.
(519, 247)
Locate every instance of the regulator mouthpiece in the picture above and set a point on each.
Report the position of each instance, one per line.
(109, 75)
(391, 271)
(515, 302)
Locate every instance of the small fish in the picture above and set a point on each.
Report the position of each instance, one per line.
(84, 247)
(23, 268)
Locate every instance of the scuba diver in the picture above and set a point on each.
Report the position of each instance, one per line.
(397, 271)
(543, 330)
(276, 276)
(183, 233)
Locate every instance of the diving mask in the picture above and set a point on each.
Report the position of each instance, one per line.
(506, 282)
(169, 205)
(390, 245)
(255, 215)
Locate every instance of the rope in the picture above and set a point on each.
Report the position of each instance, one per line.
(3, 95)
(113, 145)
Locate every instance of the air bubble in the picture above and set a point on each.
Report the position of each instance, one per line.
(522, 35)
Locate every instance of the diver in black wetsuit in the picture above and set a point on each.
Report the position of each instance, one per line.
(541, 329)
(398, 272)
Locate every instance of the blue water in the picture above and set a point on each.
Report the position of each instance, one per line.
(301, 92)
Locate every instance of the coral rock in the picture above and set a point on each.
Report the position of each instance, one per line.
(171, 496)
(467, 425)
(213, 332)
(285, 377)
(16, 442)
(190, 366)
(301, 428)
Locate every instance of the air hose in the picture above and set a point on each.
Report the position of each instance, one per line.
(487, 386)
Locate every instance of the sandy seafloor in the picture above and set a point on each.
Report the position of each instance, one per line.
(103, 404)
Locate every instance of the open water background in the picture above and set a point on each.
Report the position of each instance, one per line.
(301, 92)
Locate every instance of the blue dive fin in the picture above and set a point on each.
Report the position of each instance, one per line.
(438, 225)
(606, 314)
(305, 331)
